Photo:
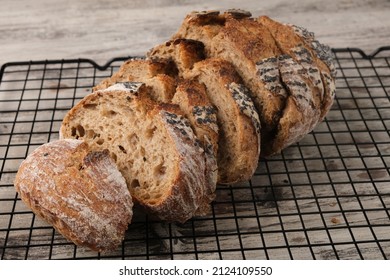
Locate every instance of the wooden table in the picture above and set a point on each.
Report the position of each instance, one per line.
(327, 197)
(101, 30)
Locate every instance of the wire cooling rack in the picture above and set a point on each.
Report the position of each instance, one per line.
(326, 197)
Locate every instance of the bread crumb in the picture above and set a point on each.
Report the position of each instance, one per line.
(335, 221)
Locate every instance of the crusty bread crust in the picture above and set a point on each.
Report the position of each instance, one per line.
(80, 192)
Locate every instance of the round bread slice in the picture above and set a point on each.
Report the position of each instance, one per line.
(79, 192)
(192, 98)
(239, 125)
(153, 145)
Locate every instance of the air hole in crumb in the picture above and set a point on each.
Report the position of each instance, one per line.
(109, 113)
(100, 141)
(73, 131)
(90, 133)
(80, 130)
(160, 170)
(149, 132)
(90, 106)
(122, 149)
(134, 184)
(114, 156)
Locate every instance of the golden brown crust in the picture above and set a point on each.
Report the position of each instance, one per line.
(77, 191)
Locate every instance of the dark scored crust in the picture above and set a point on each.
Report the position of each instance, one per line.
(258, 48)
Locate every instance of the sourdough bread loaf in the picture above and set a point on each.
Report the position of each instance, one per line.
(152, 143)
(199, 110)
(78, 191)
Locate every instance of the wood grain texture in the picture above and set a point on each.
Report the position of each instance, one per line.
(102, 29)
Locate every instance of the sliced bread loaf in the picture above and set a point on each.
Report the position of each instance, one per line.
(152, 144)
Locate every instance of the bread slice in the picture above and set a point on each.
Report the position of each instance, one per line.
(152, 144)
(239, 125)
(192, 98)
(79, 192)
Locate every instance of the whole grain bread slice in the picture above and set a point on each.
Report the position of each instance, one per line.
(191, 97)
(152, 143)
(239, 125)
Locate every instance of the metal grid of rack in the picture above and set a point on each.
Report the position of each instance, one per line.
(326, 197)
